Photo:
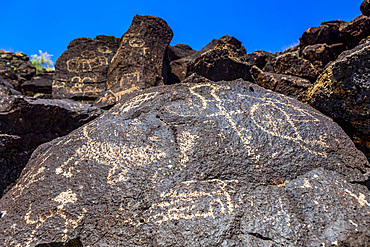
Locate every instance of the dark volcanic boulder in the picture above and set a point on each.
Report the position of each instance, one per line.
(226, 61)
(292, 64)
(140, 60)
(365, 7)
(322, 54)
(327, 33)
(259, 58)
(343, 93)
(179, 51)
(356, 30)
(81, 71)
(41, 84)
(6, 88)
(212, 164)
(288, 85)
(25, 123)
(178, 70)
(16, 68)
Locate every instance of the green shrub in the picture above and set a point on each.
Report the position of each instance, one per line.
(42, 61)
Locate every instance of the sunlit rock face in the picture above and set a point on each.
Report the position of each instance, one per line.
(140, 61)
(343, 93)
(212, 164)
(81, 71)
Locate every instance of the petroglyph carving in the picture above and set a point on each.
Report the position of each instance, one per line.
(128, 78)
(136, 102)
(104, 49)
(176, 205)
(271, 116)
(136, 42)
(107, 153)
(78, 64)
(70, 222)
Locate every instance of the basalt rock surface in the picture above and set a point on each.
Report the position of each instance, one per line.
(140, 59)
(365, 7)
(230, 54)
(288, 85)
(292, 64)
(25, 123)
(81, 71)
(343, 93)
(6, 88)
(16, 68)
(259, 58)
(226, 61)
(356, 30)
(327, 33)
(179, 51)
(212, 164)
(40, 85)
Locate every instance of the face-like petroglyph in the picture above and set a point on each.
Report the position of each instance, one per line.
(104, 49)
(129, 78)
(136, 42)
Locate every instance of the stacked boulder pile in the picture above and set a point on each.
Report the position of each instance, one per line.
(137, 143)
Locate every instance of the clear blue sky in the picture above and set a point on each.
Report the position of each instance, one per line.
(270, 25)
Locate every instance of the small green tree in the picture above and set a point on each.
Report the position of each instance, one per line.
(42, 61)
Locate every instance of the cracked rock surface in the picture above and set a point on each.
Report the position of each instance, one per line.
(212, 164)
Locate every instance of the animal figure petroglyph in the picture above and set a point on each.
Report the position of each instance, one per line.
(189, 204)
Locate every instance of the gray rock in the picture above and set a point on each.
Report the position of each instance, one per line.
(212, 164)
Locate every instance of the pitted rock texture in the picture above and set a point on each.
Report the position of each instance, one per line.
(327, 33)
(179, 51)
(81, 71)
(292, 64)
(16, 68)
(40, 85)
(259, 58)
(225, 62)
(229, 55)
(6, 88)
(212, 164)
(365, 7)
(288, 85)
(140, 59)
(343, 93)
(25, 123)
(356, 30)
